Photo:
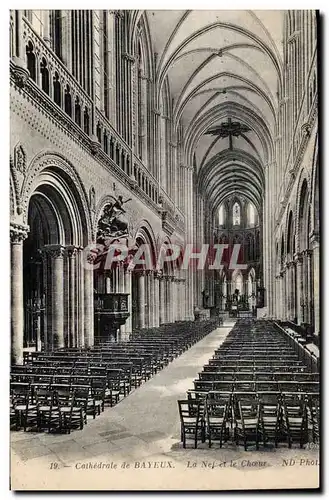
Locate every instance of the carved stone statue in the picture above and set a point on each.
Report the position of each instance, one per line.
(113, 223)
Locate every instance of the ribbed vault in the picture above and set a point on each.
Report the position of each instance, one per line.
(222, 67)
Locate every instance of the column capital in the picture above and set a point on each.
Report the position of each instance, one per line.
(308, 252)
(71, 251)
(18, 232)
(128, 57)
(157, 112)
(315, 239)
(140, 272)
(190, 168)
(298, 258)
(54, 251)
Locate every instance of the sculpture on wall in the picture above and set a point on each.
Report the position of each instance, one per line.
(113, 222)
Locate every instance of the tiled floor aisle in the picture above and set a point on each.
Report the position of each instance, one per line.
(144, 427)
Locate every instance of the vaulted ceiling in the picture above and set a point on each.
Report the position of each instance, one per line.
(222, 67)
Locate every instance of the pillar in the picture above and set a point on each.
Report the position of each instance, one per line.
(89, 302)
(56, 253)
(72, 337)
(19, 57)
(161, 300)
(315, 242)
(80, 299)
(293, 288)
(141, 299)
(127, 280)
(18, 233)
(156, 301)
(149, 299)
(45, 26)
(309, 285)
(282, 298)
(299, 299)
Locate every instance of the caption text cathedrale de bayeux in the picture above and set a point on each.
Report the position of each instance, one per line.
(190, 464)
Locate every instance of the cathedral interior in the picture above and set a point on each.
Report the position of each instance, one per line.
(161, 128)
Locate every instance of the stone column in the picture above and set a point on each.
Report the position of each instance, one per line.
(141, 299)
(277, 303)
(18, 233)
(170, 286)
(156, 301)
(162, 284)
(151, 304)
(286, 291)
(293, 297)
(80, 299)
(72, 332)
(56, 253)
(309, 285)
(299, 299)
(89, 302)
(174, 299)
(127, 279)
(45, 26)
(315, 242)
(189, 217)
(305, 285)
(282, 298)
(19, 56)
(66, 38)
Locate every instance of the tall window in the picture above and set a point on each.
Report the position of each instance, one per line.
(236, 214)
(221, 216)
(56, 30)
(251, 214)
(139, 104)
(81, 39)
(106, 76)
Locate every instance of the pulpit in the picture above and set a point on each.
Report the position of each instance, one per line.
(111, 311)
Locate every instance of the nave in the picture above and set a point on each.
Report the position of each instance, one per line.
(145, 427)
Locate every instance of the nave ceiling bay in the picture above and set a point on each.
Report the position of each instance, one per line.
(224, 71)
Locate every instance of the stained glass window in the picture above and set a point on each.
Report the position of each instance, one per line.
(221, 215)
(236, 214)
(251, 214)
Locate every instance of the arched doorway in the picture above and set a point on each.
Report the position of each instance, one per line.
(144, 283)
(57, 285)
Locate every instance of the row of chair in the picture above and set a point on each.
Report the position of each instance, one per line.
(255, 398)
(58, 389)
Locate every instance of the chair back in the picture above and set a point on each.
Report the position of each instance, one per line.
(190, 411)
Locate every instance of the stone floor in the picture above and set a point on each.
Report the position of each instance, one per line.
(136, 445)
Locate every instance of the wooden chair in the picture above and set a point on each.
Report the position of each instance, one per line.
(71, 412)
(191, 414)
(96, 402)
(81, 398)
(217, 421)
(247, 422)
(271, 417)
(25, 411)
(49, 415)
(295, 419)
(313, 403)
